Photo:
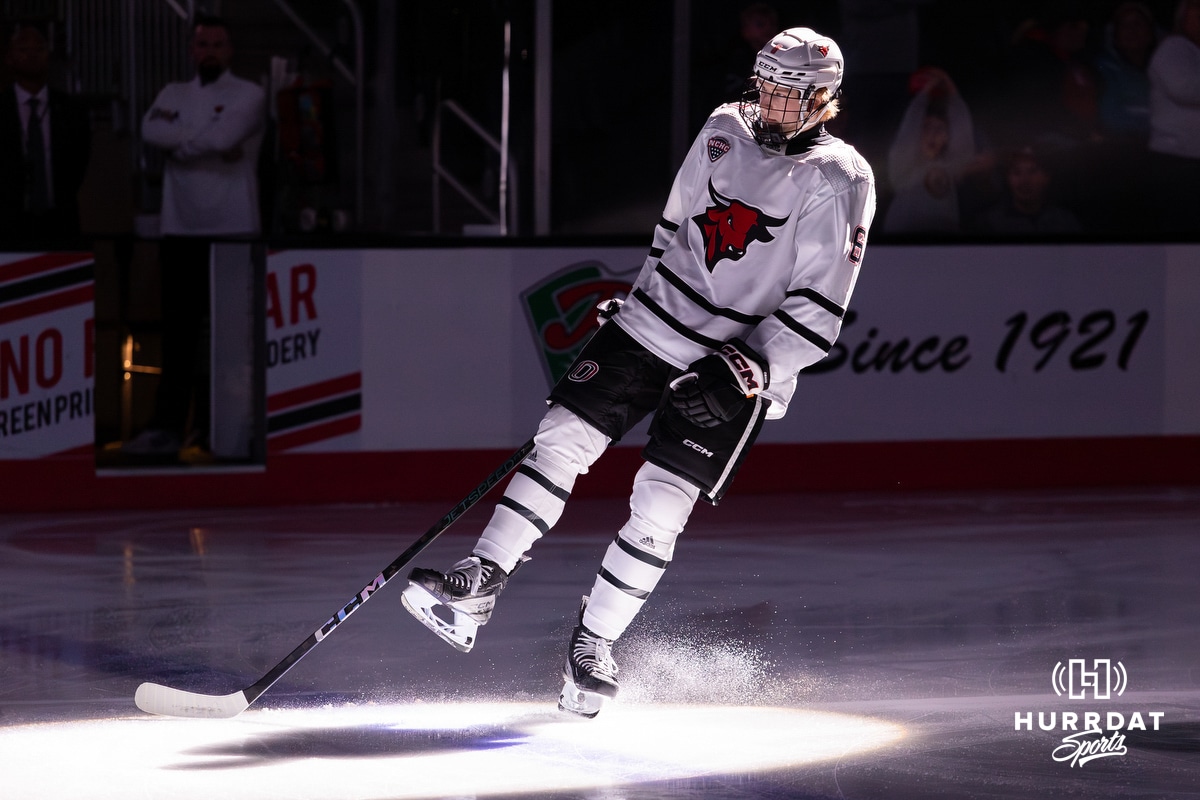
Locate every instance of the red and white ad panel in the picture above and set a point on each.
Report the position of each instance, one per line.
(314, 369)
(995, 342)
(394, 373)
(948, 343)
(46, 354)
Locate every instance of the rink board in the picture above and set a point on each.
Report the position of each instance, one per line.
(391, 371)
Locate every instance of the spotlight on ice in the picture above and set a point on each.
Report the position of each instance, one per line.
(420, 750)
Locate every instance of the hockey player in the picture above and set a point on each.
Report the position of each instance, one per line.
(746, 283)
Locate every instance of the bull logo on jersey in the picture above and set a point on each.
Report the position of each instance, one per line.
(729, 226)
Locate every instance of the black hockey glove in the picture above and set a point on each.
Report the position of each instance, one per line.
(716, 387)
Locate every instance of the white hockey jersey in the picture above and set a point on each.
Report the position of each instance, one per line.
(757, 244)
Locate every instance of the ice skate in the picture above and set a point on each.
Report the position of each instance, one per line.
(454, 604)
(590, 674)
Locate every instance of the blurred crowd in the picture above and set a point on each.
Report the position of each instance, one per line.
(981, 118)
(1063, 118)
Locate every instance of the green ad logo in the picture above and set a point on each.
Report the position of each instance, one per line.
(562, 310)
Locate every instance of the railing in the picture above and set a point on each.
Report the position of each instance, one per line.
(357, 79)
(125, 51)
(505, 219)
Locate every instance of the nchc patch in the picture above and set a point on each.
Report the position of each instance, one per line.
(717, 147)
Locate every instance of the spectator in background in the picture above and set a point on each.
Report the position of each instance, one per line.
(1129, 40)
(45, 146)
(1054, 83)
(1028, 208)
(210, 129)
(933, 152)
(1175, 123)
(1052, 80)
(882, 42)
(1117, 181)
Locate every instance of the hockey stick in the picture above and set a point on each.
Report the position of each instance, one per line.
(155, 698)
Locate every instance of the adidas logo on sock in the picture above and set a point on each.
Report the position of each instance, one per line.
(648, 541)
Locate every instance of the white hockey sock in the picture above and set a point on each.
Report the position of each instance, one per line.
(633, 564)
(564, 447)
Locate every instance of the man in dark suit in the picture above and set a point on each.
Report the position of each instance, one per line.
(45, 144)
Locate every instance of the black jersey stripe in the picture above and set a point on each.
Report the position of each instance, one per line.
(700, 300)
(667, 225)
(532, 518)
(642, 555)
(675, 325)
(804, 331)
(821, 300)
(632, 591)
(544, 482)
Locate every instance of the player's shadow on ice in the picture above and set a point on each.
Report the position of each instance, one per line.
(361, 742)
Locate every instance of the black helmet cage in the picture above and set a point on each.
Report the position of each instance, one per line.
(771, 133)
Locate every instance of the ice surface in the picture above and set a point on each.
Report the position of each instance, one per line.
(848, 645)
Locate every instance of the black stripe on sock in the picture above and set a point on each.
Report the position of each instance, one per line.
(544, 482)
(530, 517)
(641, 555)
(632, 591)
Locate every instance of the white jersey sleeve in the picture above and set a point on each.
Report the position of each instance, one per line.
(829, 252)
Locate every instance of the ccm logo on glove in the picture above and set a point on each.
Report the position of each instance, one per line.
(717, 387)
(752, 374)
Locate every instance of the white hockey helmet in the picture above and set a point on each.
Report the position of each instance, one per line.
(798, 59)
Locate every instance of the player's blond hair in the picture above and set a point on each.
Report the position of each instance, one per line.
(833, 108)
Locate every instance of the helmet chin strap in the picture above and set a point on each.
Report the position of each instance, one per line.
(813, 117)
(809, 121)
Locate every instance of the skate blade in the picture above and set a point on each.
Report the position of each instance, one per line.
(459, 633)
(577, 701)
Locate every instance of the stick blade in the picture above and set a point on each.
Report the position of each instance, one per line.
(154, 698)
